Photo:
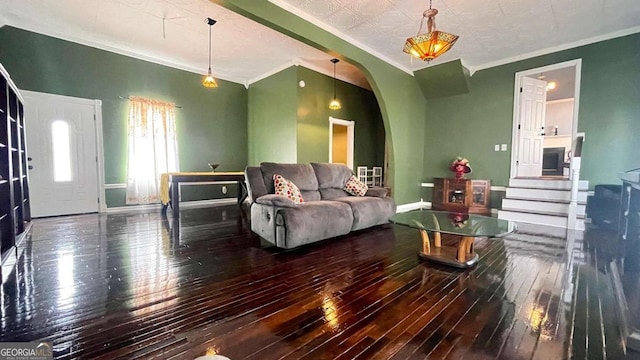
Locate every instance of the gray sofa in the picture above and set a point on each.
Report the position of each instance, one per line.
(327, 210)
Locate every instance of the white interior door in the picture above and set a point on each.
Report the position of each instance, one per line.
(531, 127)
(61, 142)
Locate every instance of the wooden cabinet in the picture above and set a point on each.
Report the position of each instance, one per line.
(464, 195)
(15, 214)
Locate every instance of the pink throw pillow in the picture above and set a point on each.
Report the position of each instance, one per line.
(355, 187)
(287, 189)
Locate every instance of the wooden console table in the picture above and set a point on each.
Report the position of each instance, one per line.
(170, 186)
(462, 195)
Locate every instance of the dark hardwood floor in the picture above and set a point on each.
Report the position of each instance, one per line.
(137, 285)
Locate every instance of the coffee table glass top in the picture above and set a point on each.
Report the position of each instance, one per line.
(462, 224)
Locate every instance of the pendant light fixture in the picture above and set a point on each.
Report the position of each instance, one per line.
(433, 43)
(335, 104)
(208, 81)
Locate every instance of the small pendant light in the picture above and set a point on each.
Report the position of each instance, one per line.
(208, 81)
(335, 104)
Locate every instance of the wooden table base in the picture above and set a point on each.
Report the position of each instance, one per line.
(461, 256)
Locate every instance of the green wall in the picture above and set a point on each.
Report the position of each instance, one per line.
(290, 124)
(609, 115)
(272, 118)
(399, 97)
(212, 126)
(358, 105)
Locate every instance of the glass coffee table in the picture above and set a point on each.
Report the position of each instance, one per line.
(465, 228)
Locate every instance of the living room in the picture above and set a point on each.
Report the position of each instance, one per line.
(232, 125)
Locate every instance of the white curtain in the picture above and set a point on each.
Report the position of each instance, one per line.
(153, 148)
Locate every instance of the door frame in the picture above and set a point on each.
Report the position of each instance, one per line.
(515, 139)
(97, 112)
(350, 138)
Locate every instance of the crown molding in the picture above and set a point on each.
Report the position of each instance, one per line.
(561, 101)
(558, 48)
(273, 71)
(121, 50)
(330, 29)
(305, 64)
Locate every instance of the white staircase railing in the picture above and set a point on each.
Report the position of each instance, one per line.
(574, 176)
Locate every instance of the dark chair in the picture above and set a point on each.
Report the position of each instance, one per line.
(604, 206)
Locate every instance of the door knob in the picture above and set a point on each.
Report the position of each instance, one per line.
(29, 158)
(30, 167)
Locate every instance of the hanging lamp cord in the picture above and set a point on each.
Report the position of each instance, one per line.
(210, 49)
(431, 24)
(334, 81)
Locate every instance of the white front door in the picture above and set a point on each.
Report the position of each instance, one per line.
(533, 98)
(61, 143)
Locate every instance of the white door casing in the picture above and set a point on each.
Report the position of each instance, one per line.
(576, 64)
(533, 97)
(80, 194)
(350, 138)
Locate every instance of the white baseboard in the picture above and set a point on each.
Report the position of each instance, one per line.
(186, 204)
(413, 206)
(425, 205)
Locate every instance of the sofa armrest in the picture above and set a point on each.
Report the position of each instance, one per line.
(275, 200)
(376, 191)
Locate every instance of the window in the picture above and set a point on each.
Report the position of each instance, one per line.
(153, 148)
(61, 151)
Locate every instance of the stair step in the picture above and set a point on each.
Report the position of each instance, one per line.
(553, 184)
(542, 219)
(542, 207)
(544, 195)
(549, 231)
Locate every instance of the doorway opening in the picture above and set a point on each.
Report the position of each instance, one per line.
(341, 141)
(545, 120)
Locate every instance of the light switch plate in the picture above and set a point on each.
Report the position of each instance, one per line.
(503, 147)
(496, 147)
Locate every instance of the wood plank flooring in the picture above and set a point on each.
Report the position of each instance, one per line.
(137, 285)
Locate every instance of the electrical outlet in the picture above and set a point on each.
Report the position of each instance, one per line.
(496, 147)
(224, 190)
(503, 147)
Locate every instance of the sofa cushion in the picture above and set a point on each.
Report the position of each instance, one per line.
(355, 187)
(286, 188)
(377, 192)
(331, 193)
(369, 211)
(275, 200)
(331, 175)
(300, 174)
(313, 221)
(255, 183)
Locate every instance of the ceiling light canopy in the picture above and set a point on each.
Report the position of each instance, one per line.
(334, 104)
(433, 43)
(208, 81)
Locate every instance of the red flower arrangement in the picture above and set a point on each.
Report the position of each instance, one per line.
(460, 166)
(459, 220)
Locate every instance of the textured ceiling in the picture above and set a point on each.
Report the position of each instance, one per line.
(173, 32)
(491, 31)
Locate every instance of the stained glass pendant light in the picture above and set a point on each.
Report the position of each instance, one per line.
(208, 80)
(433, 43)
(334, 104)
